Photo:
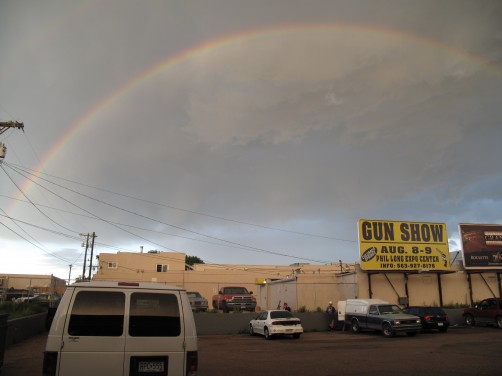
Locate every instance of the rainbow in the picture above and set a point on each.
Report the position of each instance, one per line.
(219, 42)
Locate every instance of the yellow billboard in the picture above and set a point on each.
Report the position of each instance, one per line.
(414, 246)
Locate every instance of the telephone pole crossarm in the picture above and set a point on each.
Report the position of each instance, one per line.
(4, 125)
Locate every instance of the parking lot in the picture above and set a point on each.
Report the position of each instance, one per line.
(461, 351)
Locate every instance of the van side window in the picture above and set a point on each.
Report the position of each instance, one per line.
(154, 315)
(97, 313)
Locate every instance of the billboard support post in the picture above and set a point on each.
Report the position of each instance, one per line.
(440, 288)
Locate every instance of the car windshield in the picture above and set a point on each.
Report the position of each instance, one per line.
(389, 308)
(280, 314)
(193, 295)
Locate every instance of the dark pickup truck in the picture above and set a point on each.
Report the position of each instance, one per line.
(378, 315)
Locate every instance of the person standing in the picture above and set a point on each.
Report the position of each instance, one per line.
(331, 312)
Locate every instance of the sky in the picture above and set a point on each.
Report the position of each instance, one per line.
(243, 132)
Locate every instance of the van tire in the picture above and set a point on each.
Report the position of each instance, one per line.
(251, 331)
(354, 327)
(498, 320)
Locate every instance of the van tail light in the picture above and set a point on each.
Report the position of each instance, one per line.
(50, 363)
(427, 318)
(192, 363)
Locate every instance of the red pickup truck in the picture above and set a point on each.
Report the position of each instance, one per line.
(234, 298)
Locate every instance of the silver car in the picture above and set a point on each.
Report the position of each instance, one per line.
(197, 301)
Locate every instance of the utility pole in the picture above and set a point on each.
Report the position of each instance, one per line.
(69, 276)
(4, 125)
(92, 252)
(85, 256)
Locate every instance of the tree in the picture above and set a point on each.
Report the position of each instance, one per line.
(80, 279)
(191, 260)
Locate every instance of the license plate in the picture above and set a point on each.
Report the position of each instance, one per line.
(440, 324)
(151, 367)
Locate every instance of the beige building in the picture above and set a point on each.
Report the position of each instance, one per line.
(30, 284)
(303, 286)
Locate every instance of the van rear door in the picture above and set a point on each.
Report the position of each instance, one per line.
(155, 333)
(94, 335)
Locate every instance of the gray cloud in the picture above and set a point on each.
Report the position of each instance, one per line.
(302, 120)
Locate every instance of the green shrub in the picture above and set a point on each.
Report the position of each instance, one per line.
(302, 309)
(456, 305)
(17, 310)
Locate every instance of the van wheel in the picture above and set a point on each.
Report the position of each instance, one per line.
(355, 327)
(266, 334)
(251, 331)
(499, 322)
(387, 330)
(469, 320)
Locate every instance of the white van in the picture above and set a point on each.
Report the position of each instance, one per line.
(122, 329)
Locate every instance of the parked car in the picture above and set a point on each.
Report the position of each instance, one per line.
(487, 312)
(377, 314)
(276, 322)
(48, 300)
(197, 301)
(430, 317)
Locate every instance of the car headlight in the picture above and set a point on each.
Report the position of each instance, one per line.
(397, 322)
(418, 321)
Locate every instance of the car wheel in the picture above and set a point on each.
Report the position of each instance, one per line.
(266, 333)
(355, 327)
(251, 331)
(387, 330)
(296, 335)
(469, 320)
(224, 308)
(499, 322)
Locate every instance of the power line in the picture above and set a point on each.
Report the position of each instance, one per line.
(191, 211)
(256, 249)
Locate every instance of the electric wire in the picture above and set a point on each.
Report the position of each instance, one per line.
(251, 248)
(191, 211)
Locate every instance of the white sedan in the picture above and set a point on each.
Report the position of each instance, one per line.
(276, 322)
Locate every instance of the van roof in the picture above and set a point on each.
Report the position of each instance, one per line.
(127, 284)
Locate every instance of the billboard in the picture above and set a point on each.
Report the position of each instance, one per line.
(407, 246)
(481, 246)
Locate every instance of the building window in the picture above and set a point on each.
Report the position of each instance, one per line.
(162, 268)
(113, 265)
